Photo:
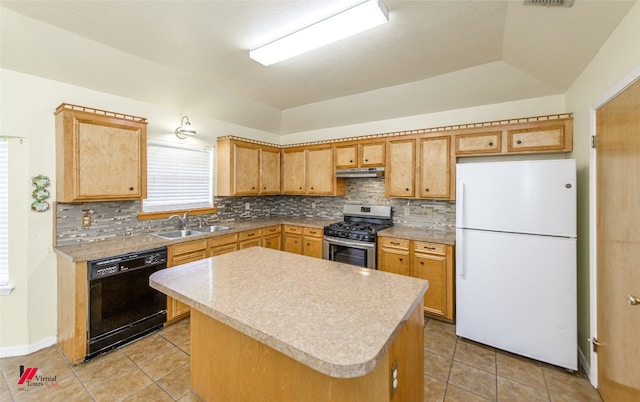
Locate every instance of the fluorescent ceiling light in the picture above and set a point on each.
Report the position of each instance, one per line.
(354, 20)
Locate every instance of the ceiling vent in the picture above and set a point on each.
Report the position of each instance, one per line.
(549, 3)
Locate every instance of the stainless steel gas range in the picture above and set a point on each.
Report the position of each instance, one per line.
(353, 241)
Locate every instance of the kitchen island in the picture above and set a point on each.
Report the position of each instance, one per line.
(271, 325)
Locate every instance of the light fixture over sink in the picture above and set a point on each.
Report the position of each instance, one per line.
(186, 129)
(351, 21)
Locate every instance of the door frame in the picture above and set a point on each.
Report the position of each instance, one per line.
(619, 87)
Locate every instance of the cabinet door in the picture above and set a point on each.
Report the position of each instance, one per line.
(293, 172)
(394, 260)
(312, 246)
(478, 143)
(536, 139)
(435, 161)
(372, 155)
(108, 161)
(401, 167)
(346, 156)
(273, 241)
(320, 171)
(270, 171)
(249, 243)
(434, 269)
(223, 249)
(246, 169)
(176, 309)
(293, 243)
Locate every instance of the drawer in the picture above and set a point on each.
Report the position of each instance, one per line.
(314, 232)
(481, 143)
(271, 230)
(189, 246)
(431, 248)
(392, 242)
(293, 229)
(221, 240)
(249, 234)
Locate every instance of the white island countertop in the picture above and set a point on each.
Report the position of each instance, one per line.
(335, 318)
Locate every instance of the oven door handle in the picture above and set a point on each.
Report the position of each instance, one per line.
(347, 243)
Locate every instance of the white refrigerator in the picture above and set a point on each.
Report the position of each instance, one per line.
(516, 258)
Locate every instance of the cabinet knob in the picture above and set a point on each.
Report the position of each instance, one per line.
(406, 189)
(400, 259)
(366, 160)
(312, 188)
(300, 188)
(426, 189)
(253, 188)
(491, 144)
(350, 161)
(130, 188)
(264, 188)
(519, 142)
(421, 262)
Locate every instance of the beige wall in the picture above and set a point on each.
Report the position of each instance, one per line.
(28, 314)
(617, 58)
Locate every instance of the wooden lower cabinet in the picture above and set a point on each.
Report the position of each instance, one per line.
(393, 255)
(424, 260)
(249, 238)
(222, 244)
(272, 237)
(312, 242)
(181, 254)
(292, 239)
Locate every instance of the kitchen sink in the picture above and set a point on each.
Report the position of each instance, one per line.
(175, 234)
(214, 228)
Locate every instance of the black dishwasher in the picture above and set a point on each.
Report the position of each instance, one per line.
(122, 305)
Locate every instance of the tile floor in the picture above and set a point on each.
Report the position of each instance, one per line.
(156, 368)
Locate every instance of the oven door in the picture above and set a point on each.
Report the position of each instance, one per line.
(359, 253)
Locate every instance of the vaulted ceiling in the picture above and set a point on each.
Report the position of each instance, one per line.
(193, 55)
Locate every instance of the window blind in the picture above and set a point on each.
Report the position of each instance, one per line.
(4, 212)
(178, 177)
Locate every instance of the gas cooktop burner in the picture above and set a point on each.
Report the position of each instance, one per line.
(361, 223)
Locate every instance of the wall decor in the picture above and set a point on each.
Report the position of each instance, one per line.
(40, 194)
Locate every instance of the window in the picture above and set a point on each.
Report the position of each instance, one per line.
(178, 177)
(4, 216)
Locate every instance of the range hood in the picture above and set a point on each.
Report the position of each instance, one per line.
(360, 172)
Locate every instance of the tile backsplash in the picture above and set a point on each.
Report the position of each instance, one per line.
(111, 219)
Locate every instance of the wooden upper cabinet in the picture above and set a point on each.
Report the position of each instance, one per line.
(245, 168)
(527, 136)
(536, 139)
(478, 143)
(270, 171)
(101, 155)
(435, 163)
(363, 154)
(371, 154)
(293, 171)
(321, 175)
(346, 156)
(401, 168)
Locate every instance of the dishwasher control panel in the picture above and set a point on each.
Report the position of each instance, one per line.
(108, 266)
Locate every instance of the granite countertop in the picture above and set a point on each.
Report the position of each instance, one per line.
(419, 234)
(335, 318)
(129, 244)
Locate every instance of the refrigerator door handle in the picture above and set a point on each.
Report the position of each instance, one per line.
(460, 256)
(461, 209)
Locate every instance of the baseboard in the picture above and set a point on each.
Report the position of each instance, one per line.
(583, 362)
(23, 350)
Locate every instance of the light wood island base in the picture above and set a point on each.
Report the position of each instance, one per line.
(227, 365)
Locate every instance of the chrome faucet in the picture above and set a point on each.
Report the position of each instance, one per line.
(184, 219)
